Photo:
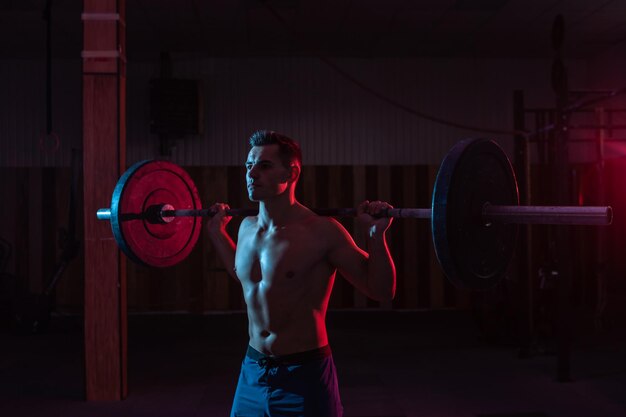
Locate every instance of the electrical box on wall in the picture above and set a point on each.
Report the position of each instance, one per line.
(175, 107)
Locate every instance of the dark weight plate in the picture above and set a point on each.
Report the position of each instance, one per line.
(473, 254)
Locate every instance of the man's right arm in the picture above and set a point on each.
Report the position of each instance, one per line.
(222, 242)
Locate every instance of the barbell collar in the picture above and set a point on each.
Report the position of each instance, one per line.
(104, 214)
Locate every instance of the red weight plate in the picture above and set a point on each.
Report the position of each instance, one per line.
(154, 183)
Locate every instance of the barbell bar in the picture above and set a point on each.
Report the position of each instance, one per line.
(572, 215)
(155, 214)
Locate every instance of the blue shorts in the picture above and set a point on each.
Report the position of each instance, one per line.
(301, 384)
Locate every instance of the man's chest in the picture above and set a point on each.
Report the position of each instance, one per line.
(285, 254)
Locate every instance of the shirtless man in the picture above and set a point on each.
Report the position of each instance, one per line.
(286, 259)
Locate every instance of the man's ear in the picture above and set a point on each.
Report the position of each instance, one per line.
(294, 173)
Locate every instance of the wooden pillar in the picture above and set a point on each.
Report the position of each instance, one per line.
(104, 142)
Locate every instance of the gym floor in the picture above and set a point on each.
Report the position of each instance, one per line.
(389, 363)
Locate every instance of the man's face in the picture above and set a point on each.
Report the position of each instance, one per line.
(266, 176)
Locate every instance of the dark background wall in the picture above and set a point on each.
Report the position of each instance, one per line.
(451, 60)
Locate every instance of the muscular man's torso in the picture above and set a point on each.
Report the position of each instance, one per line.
(286, 280)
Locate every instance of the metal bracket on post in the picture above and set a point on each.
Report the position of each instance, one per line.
(100, 54)
(100, 16)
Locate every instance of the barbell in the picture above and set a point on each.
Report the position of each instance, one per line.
(155, 213)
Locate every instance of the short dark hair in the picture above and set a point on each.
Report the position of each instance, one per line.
(288, 149)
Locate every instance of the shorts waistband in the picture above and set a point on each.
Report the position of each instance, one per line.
(290, 359)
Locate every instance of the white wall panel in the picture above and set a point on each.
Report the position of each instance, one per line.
(336, 121)
(23, 140)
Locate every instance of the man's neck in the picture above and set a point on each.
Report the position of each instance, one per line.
(278, 211)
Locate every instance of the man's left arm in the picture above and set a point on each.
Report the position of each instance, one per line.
(381, 270)
(372, 272)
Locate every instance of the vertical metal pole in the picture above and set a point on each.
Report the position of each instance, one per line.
(522, 168)
(601, 255)
(562, 189)
(564, 256)
(48, 19)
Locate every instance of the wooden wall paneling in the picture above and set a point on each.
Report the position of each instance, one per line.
(346, 200)
(371, 193)
(69, 288)
(450, 293)
(423, 238)
(322, 191)
(7, 234)
(330, 184)
(358, 195)
(55, 200)
(396, 233)
(132, 283)
(326, 193)
(49, 225)
(195, 286)
(409, 247)
(59, 203)
(21, 252)
(328, 190)
(240, 185)
(8, 213)
(152, 289)
(156, 289)
(437, 278)
(172, 296)
(183, 278)
(189, 282)
(237, 197)
(75, 279)
(384, 194)
(541, 236)
(138, 278)
(218, 281)
(5, 178)
(462, 299)
(155, 286)
(306, 187)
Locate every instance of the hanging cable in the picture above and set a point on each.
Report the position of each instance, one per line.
(426, 116)
(381, 96)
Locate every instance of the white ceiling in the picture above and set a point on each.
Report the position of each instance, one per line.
(394, 28)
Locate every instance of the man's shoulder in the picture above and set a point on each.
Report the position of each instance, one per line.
(248, 223)
(327, 226)
(248, 220)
